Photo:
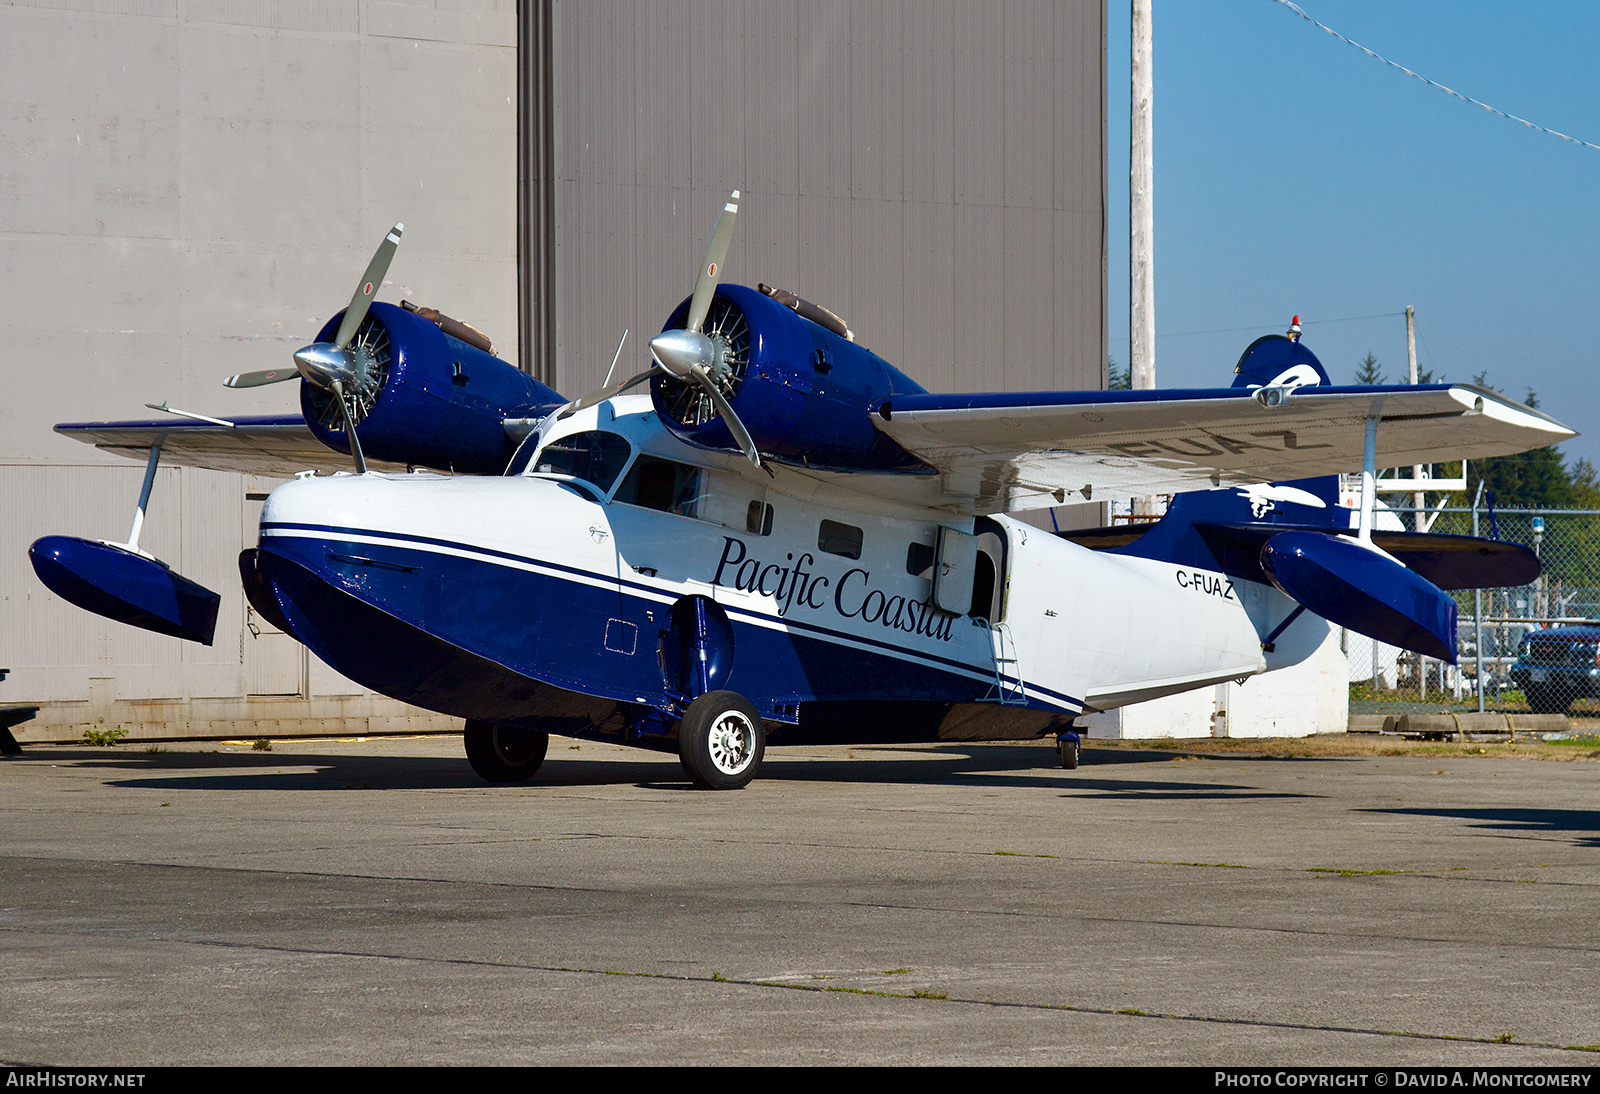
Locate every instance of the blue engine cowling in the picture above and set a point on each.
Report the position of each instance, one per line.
(432, 400)
(805, 394)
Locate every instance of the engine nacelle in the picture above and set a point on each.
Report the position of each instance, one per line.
(427, 399)
(805, 394)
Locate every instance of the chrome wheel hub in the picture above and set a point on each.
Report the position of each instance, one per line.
(732, 743)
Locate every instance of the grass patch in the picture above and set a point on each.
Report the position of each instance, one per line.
(1215, 865)
(1353, 873)
(103, 738)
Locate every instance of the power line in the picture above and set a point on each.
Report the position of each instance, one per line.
(1274, 326)
(1298, 10)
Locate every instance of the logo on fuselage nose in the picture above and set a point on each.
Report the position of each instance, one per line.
(597, 533)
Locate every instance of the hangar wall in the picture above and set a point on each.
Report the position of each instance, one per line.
(188, 188)
(932, 170)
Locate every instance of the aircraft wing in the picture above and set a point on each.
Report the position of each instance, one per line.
(1014, 451)
(266, 444)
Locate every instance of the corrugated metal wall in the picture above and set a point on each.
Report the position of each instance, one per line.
(932, 170)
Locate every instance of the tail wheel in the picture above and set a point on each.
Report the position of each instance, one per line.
(505, 754)
(721, 741)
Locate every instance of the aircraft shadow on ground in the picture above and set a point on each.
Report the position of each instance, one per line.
(933, 765)
(1580, 827)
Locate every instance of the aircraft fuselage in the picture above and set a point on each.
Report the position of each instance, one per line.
(556, 597)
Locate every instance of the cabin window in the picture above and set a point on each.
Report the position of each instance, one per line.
(758, 519)
(663, 485)
(919, 560)
(839, 539)
(595, 457)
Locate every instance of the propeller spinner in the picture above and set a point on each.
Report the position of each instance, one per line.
(333, 366)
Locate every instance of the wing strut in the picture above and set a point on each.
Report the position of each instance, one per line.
(144, 497)
(1369, 474)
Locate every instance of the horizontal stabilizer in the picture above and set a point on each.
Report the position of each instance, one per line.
(1450, 562)
(1462, 562)
(128, 587)
(1353, 586)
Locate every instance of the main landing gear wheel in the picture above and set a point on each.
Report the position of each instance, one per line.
(505, 754)
(721, 741)
(1071, 750)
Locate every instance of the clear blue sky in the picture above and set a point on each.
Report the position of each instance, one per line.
(1296, 175)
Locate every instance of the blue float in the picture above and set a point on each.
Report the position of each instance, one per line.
(1354, 586)
(128, 587)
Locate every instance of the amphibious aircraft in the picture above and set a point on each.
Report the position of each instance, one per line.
(788, 535)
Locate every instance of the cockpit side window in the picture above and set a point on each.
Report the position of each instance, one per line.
(595, 457)
(663, 485)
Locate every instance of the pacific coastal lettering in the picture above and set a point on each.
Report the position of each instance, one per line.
(854, 598)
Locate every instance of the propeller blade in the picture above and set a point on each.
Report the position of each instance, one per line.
(370, 281)
(259, 379)
(595, 397)
(615, 357)
(705, 285)
(741, 435)
(349, 428)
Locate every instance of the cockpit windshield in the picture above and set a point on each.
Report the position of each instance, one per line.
(595, 457)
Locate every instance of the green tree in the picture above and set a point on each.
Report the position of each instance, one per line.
(1117, 376)
(1368, 371)
(1532, 480)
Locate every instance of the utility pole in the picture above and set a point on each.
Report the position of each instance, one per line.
(1419, 499)
(1141, 221)
(1141, 210)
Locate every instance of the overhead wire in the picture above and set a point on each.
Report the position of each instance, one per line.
(1274, 326)
(1298, 10)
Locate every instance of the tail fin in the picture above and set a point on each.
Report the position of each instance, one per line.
(1278, 360)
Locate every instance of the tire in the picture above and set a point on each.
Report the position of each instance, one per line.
(1548, 698)
(505, 754)
(1071, 752)
(721, 741)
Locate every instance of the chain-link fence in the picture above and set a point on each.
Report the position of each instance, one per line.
(1492, 623)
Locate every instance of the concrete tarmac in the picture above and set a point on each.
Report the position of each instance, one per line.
(373, 902)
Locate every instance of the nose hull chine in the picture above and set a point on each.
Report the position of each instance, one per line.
(398, 657)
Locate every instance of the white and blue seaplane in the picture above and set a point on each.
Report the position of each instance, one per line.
(788, 538)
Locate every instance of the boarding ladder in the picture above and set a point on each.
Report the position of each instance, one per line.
(1007, 689)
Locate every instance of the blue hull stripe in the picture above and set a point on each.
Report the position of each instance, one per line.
(667, 596)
